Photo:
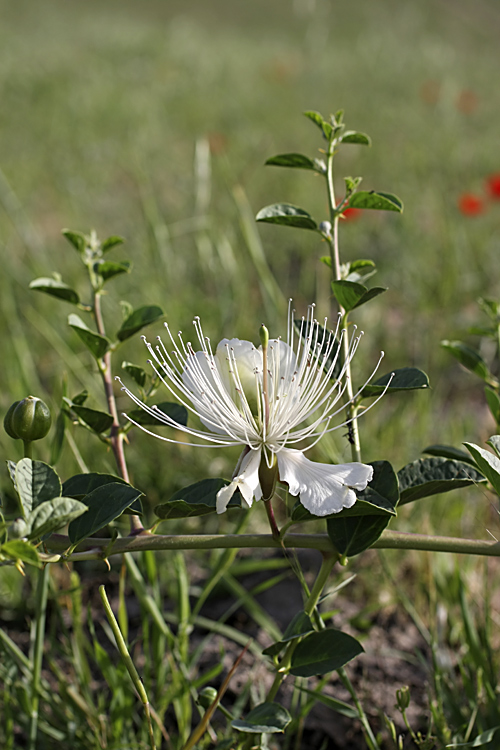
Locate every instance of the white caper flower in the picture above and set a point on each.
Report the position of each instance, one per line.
(273, 401)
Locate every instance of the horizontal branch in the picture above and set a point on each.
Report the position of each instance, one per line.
(96, 549)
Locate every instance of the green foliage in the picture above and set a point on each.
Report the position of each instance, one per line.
(323, 652)
(287, 215)
(403, 379)
(433, 476)
(350, 294)
(139, 319)
(198, 499)
(104, 504)
(96, 343)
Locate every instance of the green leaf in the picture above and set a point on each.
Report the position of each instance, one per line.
(375, 200)
(482, 739)
(449, 451)
(324, 652)
(98, 421)
(351, 536)
(77, 239)
(97, 344)
(17, 549)
(53, 514)
(138, 319)
(494, 441)
(104, 505)
(177, 412)
(487, 463)
(107, 269)
(493, 401)
(288, 215)
(352, 136)
(404, 379)
(469, 358)
(350, 294)
(80, 398)
(299, 625)
(35, 482)
(83, 484)
(299, 161)
(135, 372)
(357, 265)
(266, 718)
(433, 476)
(315, 117)
(111, 242)
(198, 499)
(55, 288)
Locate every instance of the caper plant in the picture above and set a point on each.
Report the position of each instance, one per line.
(275, 398)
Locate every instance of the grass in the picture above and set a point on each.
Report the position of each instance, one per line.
(153, 121)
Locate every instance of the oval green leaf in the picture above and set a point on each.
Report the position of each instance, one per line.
(56, 289)
(493, 401)
(198, 499)
(135, 372)
(17, 549)
(352, 136)
(97, 344)
(449, 451)
(298, 161)
(104, 505)
(433, 476)
(53, 514)
(35, 482)
(139, 319)
(404, 379)
(83, 484)
(350, 294)
(77, 239)
(375, 200)
(488, 463)
(98, 421)
(469, 358)
(324, 652)
(111, 242)
(107, 269)
(266, 718)
(287, 215)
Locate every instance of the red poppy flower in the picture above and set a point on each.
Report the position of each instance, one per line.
(493, 186)
(470, 204)
(351, 214)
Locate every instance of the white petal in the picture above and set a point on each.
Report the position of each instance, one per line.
(247, 482)
(323, 488)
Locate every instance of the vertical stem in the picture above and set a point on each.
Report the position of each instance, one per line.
(351, 408)
(134, 676)
(116, 436)
(371, 740)
(41, 609)
(329, 560)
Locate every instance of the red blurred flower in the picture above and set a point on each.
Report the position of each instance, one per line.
(351, 214)
(493, 186)
(470, 204)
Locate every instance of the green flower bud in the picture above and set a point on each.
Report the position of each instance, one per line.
(28, 419)
(207, 696)
(7, 422)
(18, 529)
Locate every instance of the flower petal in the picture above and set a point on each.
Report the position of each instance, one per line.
(247, 482)
(323, 488)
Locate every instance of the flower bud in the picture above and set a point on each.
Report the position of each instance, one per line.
(325, 228)
(207, 696)
(28, 419)
(18, 529)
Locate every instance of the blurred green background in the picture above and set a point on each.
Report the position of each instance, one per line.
(153, 120)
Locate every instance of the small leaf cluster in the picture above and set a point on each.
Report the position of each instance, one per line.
(87, 502)
(347, 287)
